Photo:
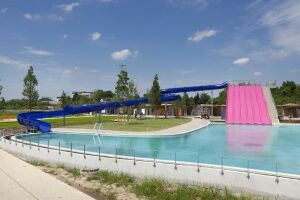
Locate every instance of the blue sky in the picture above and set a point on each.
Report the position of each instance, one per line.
(78, 45)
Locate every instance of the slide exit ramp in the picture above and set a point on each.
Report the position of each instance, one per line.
(33, 119)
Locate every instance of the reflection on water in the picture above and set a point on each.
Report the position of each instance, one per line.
(248, 139)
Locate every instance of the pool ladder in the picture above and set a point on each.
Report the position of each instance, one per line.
(98, 129)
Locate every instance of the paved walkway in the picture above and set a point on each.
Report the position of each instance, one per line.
(195, 124)
(20, 180)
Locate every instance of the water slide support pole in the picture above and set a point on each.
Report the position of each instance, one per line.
(166, 115)
(64, 118)
(212, 103)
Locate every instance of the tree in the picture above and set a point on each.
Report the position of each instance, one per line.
(221, 99)
(2, 100)
(132, 90)
(2, 103)
(108, 94)
(186, 102)
(154, 94)
(204, 98)
(83, 100)
(64, 99)
(75, 98)
(97, 96)
(196, 99)
(288, 92)
(30, 92)
(121, 89)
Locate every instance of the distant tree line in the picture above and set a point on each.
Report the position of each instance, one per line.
(126, 89)
(288, 92)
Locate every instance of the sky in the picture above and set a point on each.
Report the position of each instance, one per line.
(79, 45)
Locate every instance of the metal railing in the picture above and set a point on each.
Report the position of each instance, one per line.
(117, 154)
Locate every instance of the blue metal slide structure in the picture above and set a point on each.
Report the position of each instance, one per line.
(33, 119)
(194, 88)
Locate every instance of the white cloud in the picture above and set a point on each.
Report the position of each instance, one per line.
(38, 52)
(55, 17)
(257, 73)
(294, 71)
(123, 54)
(64, 72)
(3, 10)
(105, 1)
(30, 16)
(17, 63)
(200, 35)
(95, 36)
(283, 22)
(65, 36)
(68, 8)
(37, 16)
(241, 61)
(186, 71)
(189, 3)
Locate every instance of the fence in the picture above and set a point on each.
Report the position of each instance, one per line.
(188, 172)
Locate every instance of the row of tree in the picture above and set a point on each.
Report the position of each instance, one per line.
(125, 89)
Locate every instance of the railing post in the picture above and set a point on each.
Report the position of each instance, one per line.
(99, 153)
(48, 146)
(222, 168)
(198, 160)
(175, 167)
(248, 170)
(84, 152)
(30, 144)
(116, 158)
(154, 164)
(277, 179)
(38, 144)
(71, 149)
(59, 147)
(134, 163)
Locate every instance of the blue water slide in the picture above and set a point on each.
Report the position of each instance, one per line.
(32, 119)
(194, 88)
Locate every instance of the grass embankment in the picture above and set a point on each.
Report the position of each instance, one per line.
(68, 120)
(112, 186)
(139, 125)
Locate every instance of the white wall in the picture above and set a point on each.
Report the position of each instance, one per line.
(233, 178)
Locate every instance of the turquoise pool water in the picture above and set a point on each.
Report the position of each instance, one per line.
(260, 147)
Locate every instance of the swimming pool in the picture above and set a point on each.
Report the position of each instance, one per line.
(259, 147)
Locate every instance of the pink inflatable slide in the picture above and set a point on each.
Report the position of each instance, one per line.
(246, 105)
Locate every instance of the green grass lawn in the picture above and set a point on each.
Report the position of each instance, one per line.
(136, 125)
(139, 125)
(60, 121)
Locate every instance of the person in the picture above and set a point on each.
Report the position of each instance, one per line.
(135, 114)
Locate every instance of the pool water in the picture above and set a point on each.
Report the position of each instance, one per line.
(257, 146)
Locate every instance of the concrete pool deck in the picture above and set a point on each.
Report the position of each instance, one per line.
(194, 124)
(20, 180)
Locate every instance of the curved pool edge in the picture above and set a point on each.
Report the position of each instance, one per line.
(258, 181)
(173, 131)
